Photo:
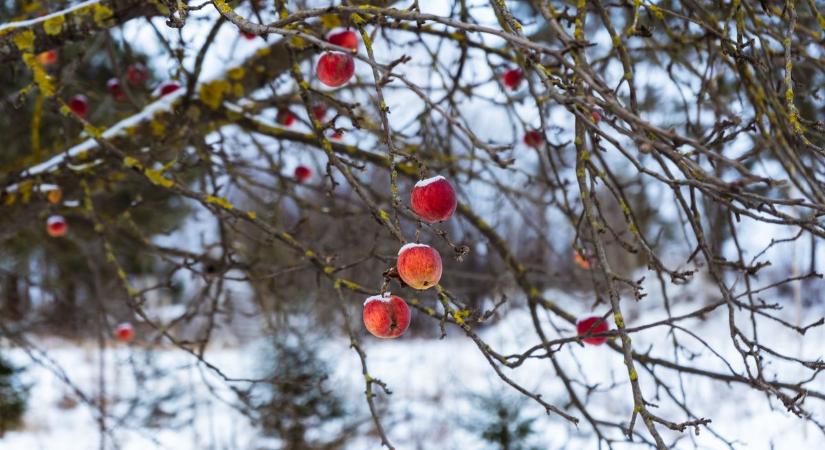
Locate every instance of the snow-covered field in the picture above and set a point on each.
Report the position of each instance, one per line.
(431, 382)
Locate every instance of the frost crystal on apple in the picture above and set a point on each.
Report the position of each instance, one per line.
(406, 247)
(385, 297)
(429, 181)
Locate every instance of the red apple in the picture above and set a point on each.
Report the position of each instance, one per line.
(125, 332)
(419, 265)
(79, 105)
(114, 87)
(168, 87)
(302, 173)
(343, 38)
(533, 138)
(581, 260)
(319, 111)
(137, 74)
(56, 226)
(512, 78)
(47, 58)
(285, 117)
(334, 68)
(386, 316)
(592, 325)
(433, 199)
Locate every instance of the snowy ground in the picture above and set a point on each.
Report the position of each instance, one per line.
(430, 380)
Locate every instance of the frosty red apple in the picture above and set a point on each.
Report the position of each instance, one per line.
(433, 199)
(137, 74)
(319, 112)
(56, 226)
(386, 316)
(302, 173)
(285, 117)
(114, 87)
(533, 138)
(79, 105)
(512, 78)
(592, 325)
(125, 332)
(167, 88)
(419, 265)
(343, 38)
(335, 68)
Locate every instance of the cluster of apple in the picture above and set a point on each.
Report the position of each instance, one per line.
(285, 117)
(418, 265)
(78, 104)
(512, 78)
(334, 69)
(136, 75)
(56, 226)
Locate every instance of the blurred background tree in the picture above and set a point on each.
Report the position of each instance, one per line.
(13, 396)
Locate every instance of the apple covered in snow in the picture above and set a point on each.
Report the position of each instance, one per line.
(124, 332)
(419, 265)
(56, 226)
(433, 199)
(386, 316)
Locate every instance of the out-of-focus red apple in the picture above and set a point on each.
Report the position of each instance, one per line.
(47, 58)
(592, 325)
(533, 138)
(319, 112)
(386, 316)
(302, 173)
(512, 78)
(581, 260)
(114, 87)
(168, 87)
(343, 38)
(56, 226)
(433, 199)
(79, 105)
(124, 332)
(419, 265)
(54, 195)
(285, 117)
(137, 74)
(334, 68)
